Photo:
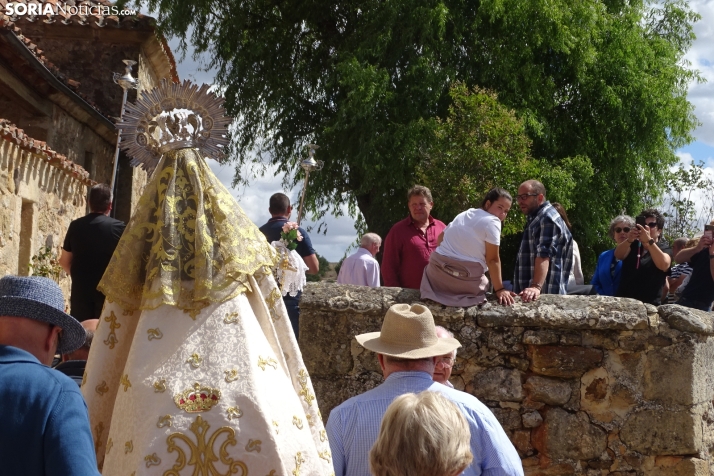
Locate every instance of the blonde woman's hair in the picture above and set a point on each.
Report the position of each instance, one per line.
(421, 435)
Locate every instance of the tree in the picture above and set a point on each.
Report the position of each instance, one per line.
(324, 266)
(366, 80)
(689, 202)
(482, 144)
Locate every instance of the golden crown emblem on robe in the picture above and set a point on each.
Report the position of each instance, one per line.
(173, 116)
(197, 399)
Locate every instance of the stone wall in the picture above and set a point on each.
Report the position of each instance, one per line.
(38, 201)
(582, 385)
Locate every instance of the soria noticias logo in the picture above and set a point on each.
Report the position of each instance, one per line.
(16, 8)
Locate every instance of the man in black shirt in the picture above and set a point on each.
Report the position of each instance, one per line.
(645, 260)
(699, 293)
(280, 210)
(88, 247)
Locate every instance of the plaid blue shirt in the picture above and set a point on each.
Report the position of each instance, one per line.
(353, 428)
(545, 236)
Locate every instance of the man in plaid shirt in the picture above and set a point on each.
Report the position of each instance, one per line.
(545, 257)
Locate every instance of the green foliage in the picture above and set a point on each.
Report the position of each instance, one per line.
(601, 81)
(481, 144)
(46, 264)
(338, 266)
(324, 266)
(689, 203)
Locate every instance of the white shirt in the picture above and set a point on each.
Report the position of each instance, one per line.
(466, 236)
(360, 268)
(576, 275)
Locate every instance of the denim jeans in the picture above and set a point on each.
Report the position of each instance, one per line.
(292, 305)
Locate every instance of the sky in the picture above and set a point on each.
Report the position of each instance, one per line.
(341, 235)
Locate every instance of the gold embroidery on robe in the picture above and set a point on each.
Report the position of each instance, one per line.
(164, 421)
(202, 453)
(159, 386)
(299, 460)
(253, 445)
(152, 460)
(112, 340)
(102, 388)
(125, 381)
(98, 430)
(128, 447)
(297, 422)
(155, 333)
(305, 390)
(194, 361)
(231, 375)
(234, 412)
(231, 318)
(262, 362)
(199, 398)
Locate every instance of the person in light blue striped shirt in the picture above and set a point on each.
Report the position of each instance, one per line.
(407, 348)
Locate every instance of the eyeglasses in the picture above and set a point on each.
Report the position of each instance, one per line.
(525, 196)
(445, 361)
(652, 224)
(625, 229)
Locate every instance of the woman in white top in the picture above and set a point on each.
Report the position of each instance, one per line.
(468, 248)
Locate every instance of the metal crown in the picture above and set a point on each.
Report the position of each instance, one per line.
(173, 116)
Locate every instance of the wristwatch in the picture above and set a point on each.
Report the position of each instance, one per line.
(651, 242)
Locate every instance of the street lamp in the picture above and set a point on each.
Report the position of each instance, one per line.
(309, 165)
(126, 82)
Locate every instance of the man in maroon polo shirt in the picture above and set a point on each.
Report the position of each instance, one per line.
(411, 241)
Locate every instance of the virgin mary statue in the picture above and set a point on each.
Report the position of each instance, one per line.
(194, 368)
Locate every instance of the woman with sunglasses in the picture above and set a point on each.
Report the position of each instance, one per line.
(645, 259)
(607, 272)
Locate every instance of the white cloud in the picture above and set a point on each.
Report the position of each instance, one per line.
(340, 233)
(701, 57)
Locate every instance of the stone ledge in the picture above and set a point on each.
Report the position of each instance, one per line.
(686, 319)
(549, 311)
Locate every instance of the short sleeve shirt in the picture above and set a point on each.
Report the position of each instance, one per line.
(643, 282)
(701, 284)
(466, 236)
(545, 236)
(92, 240)
(274, 227)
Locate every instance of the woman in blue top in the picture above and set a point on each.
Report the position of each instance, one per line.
(607, 273)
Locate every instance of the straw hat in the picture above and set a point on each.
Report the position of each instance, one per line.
(41, 299)
(408, 332)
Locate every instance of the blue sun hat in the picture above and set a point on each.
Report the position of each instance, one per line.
(41, 299)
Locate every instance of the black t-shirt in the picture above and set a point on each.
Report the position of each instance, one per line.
(91, 240)
(644, 282)
(701, 284)
(274, 227)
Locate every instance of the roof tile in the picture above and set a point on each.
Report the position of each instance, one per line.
(9, 131)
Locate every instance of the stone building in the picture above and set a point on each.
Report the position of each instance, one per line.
(58, 104)
(595, 386)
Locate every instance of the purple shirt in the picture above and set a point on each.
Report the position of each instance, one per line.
(407, 251)
(360, 269)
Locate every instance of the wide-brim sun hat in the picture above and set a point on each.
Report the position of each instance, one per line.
(408, 332)
(41, 299)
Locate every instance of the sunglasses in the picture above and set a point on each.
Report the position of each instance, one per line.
(625, 229)
(652, 225)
